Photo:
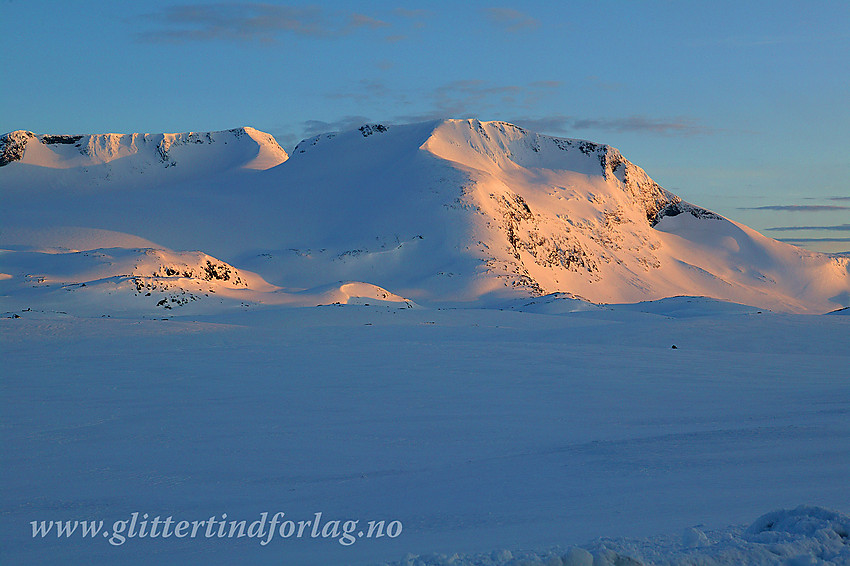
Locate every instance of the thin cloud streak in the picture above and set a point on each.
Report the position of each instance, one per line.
(367, 91)
(798, 207)
(563, 124)
(806, 240)
(510, 20)
(833, 228)
(475, 97)
(363, 21)
(476, 87)
(252, 22)
(679, 126)
(546, 84)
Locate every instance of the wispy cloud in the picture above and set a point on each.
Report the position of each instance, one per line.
(510, 19)
(798, 207)
(806, 240)
(546, 84)
(363, 21)
(677, 126)
(250, 22)
(315, 127)
(475, 98)
(457, 99)
(832, 228)
(559, 123)
(827, 198)
(476, 87)
(367, 91)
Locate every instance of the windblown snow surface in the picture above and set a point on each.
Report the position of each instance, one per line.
(519, 347)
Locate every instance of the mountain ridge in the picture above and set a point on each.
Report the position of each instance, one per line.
(457, 212)
(62, 151)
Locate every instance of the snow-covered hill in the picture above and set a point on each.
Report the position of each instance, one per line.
(443, 212)
(145, 281)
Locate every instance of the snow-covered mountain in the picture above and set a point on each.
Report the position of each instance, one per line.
(131, 158)
(453, 211)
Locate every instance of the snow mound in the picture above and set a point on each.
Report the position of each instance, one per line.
(805, 520)
(687, 307)
(119, 280)
(354, 293)
(555, 303)
(802, 536)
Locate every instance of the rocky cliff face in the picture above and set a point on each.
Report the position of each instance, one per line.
(12, 146)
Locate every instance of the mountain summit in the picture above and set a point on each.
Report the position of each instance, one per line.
(448, 212)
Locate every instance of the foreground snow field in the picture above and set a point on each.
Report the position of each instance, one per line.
(492, 435)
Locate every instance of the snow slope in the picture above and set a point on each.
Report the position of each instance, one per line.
(443, 212)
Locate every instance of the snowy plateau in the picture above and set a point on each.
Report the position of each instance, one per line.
(519, 347)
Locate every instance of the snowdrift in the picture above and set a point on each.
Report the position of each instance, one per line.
(805, 535)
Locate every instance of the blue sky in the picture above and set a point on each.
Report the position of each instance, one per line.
(741, 107)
